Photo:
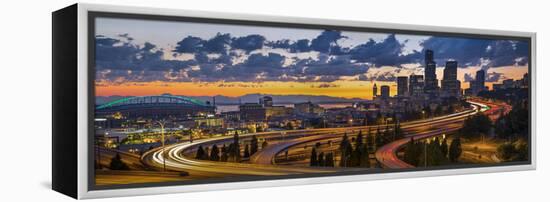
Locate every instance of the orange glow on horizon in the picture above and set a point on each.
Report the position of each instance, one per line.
(339, 88)
(343, 89)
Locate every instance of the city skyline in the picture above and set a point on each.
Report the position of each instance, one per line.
(199, 101)
(242, 60)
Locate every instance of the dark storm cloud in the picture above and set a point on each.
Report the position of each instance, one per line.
(248, 43)
(301, 45)
(325, 42)
(469, 51)
(189, 44)
(218, 43)
(221, 57)
(386, 52)
(273, 60)
(114, 54)
(269, 67)
(202, 57)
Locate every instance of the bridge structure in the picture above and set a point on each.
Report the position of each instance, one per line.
(157, 106)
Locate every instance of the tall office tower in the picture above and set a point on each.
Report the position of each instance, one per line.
(430, 77)
(428, 56)
(449, 84)
(416, 85)
(385, 91)
(480, 81)
(402, 86)
(374, 91)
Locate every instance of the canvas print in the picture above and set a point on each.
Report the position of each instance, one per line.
(190, 102)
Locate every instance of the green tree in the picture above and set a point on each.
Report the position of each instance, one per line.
(224, 156)
(253, 145)
(506, 152)
(412, 152)
(444, 147)
(117, 163)
(431, 155)
(246, 152)
(359, 140)
(215, 153)
(455, 150)
(476, 125)
(313, 157)
(517, 151)
(200, 153)
(369, 141)
(345, 151)
(513, 125)
(321, 159)
(364, 160)
(378, 138)
(329, 160)
(236, 148)
(397, 131)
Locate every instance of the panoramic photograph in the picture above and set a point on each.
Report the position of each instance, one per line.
(181, 102)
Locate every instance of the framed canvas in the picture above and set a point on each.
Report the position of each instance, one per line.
(149, 101)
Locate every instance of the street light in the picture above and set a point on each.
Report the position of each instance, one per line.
(161, 123)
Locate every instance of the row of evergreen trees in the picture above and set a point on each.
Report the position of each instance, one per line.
(355, 152)
(433, 153)
(354, 157)
(231, 153)
(321, 159)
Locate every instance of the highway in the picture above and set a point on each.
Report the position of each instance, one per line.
(267, 155)
(262, 161)
(387, 154)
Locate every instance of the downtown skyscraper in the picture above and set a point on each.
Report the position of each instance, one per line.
(430, 76)
(402, 86)
(450, 85)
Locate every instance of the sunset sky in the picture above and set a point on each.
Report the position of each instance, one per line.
(145, 57)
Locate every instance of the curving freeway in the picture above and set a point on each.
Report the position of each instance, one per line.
(387, 154)
(262, 161)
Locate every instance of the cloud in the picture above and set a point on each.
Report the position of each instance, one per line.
(301, 45)
(124, 59)
(469, 51)
(190, 44)
(325, 85)
(248, 43)
(468, 77)
(386, 52)
(494, 77)
(218, 43)
(489, 77)
(326, 41)
(253, 58)
(273, 60)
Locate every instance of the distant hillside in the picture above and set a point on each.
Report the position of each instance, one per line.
(253, 98)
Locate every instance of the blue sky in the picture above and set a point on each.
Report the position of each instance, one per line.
(147, 50)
